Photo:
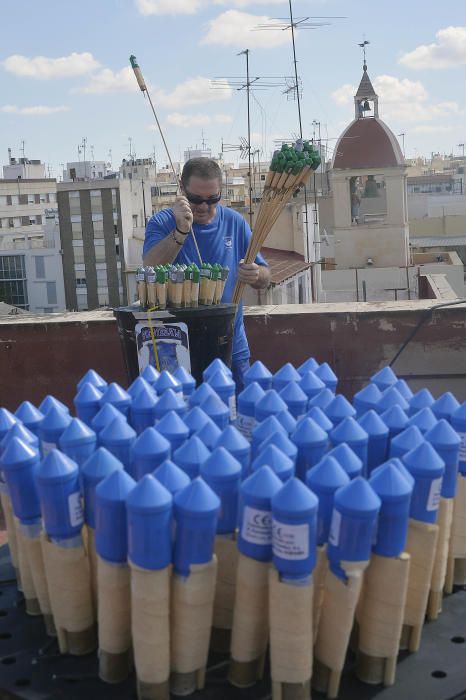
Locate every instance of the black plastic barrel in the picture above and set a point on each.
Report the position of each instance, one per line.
(210, 331)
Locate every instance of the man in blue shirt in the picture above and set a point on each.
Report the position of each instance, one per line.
(222, 236)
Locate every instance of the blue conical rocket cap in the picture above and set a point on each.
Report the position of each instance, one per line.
(186, 380)
(287, 421)
(319, 417)
(445, 405)
(19, 431)
(167, 381)
(424, 460)
(262, 484)
(326, 373)
(286, 374)
(209, 434)
(373, 424)
(294, 498)
(357, 497)
(292, 393)
(118, 430)
(251, 394)
(150, 374)
(99, 465)
(409, 438)
(55, 419)
(136, 386)
(395, 418)
(281, 441)
(326, 476)
(349, 431)
(195, 419)
(420, 400)
(269, 426)
(88, 394)
(310, 365)
(116, 395)
(271, 403)
(216, 366)
(7, 421)
(398, 464)
(339, 408)
(193, 451)
(18, 452)
(257, 371)
(56, 466)
(92, 377)
(219, 380)
(390, 484)
(458, 415)
(28, 414)
(150, 442)
(104, 416)
(149, 496)
(169, 401)
(391, 397)
(423, 419)
(51, 402)
(384, 378)
(347, 459)
(232, 440)
(202, 392)
(370, 396)
(172, 424)
(308, 432)
(402, 386)
(197, 497)
(274, 458)
(221, 466)
(116, 487)
(311, 384)
(172, 477)
(144, 399)
(214, 406)
(322, 399)
(77, 432)
(440, 435)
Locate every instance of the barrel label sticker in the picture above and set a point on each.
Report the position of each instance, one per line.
(257, 526)
(75, 509)
(245, 425)
(462, 454)
(232, 407)
(334, 536)
(434, 494)
(290, 541)
(48, 447)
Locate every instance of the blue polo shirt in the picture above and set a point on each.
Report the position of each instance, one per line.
(225, 240)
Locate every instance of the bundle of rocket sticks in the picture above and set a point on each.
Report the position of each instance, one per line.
(290, 170)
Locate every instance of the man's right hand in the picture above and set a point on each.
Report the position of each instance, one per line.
(183, 214)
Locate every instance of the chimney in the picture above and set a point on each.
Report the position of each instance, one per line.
(9, 157)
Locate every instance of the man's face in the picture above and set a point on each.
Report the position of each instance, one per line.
(199, 187)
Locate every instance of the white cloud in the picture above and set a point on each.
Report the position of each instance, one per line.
(187, 120)
(447, 52)
(430, 129)
(43, 68)
(234, 28)
(34, 111)
(344, 94)
(193, 91)
(108, 80)
(169, 7)
(247, 3)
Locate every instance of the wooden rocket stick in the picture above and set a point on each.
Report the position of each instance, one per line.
(335, 625)
(318, 576)
(191, 622)
(421, 544)
(226, 551)
(380, 618)
(445, 519)
(11, 532)
(457, 549)
(291, 638)
(92, 558)
(250, 630)
(69, 584)
(150, 625)
(29, 589)
(34, 554)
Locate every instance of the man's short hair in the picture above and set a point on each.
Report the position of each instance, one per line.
(201, 167)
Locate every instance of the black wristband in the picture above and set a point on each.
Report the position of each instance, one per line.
(183, 233)
(174, 238)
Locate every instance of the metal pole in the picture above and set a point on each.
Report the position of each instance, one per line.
(251, 213)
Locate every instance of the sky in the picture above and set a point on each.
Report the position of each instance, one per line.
(65, 75)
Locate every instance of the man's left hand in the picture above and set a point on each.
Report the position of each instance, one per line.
(248, 273)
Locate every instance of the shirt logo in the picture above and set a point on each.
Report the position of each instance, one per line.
(228, 242)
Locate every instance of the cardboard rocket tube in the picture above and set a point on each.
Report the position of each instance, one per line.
(92, 557)
(318, 577)
(380, 618)
(150, 626)
(29, 589)
(192, 607)
(187, 288)
(151, 294)
(11, 532)
(457, 549)
(69, 584)
(226, 551)
(421, 545)
(291, 638)
(36, 563)
(114, 621)
(444, 522)
(250, 632)
(335, 625)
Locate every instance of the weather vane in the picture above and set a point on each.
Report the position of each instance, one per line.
(363, 47)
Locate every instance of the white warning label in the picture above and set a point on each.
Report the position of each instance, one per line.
(257, 526)
(75, 509)
(434, 494)
(290, 541)
(335, 525)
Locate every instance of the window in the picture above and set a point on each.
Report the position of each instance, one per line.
(98, 227)
(135, 220)
(3, 200)
(11, 223)
(77, 231)
(117, 250)
(31, 199)
(75, 204)
(51, 292)
(81, 282)
(39, 261)
(23, 198)
(51, 197)
(99, 251)
(78, 254)
(13, 286)
(96, 202)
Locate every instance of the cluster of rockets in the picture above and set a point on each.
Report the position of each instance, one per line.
(181, 285)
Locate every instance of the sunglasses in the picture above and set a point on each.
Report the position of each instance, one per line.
(196, 199)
